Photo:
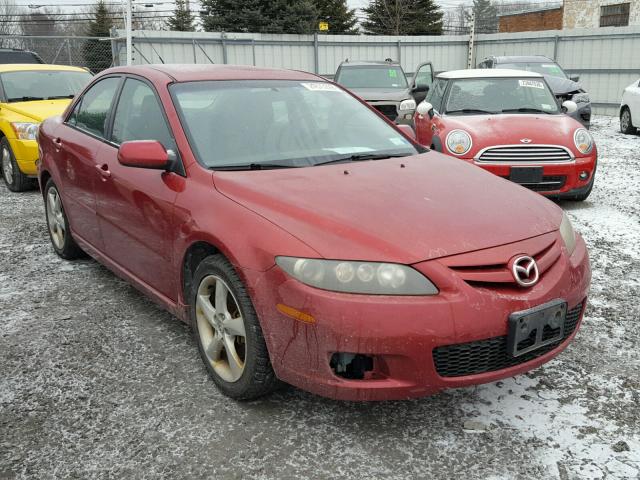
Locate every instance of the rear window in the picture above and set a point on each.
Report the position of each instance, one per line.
(19, 57)
(378, 76)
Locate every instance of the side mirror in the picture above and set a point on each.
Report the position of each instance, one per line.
(575, 78)
(420, 88)
(569, 106)
(425, 108)
(408, 131)
(144, 154)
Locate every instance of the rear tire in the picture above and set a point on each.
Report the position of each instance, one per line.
(228, 332)
(16, 180)
(626, 124)
(58, 224)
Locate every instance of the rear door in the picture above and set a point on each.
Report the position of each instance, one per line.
(79, 139)
(135, 205)
(634, 104)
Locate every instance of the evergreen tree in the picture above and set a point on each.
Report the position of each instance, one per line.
(486, 16)
(96, 53)
(289, 16)
(403, 17)
(182, 20)
(341, 19)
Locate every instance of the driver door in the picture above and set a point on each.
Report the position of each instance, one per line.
(423, 77)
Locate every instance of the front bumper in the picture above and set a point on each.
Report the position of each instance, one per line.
(401, 333)
(26, 154)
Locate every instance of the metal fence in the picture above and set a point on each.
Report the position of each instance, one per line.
(607, 59)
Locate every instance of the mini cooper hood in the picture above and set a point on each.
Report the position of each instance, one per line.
(431, 207)
(562, 86)
(38, 110)
(381, 95)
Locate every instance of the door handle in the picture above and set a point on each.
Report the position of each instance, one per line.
(104, 171)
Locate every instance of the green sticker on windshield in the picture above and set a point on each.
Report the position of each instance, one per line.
(393, 73)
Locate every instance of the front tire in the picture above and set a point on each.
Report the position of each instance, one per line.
(16, 180)
(228, 332)
(626, 124)
(58, 224)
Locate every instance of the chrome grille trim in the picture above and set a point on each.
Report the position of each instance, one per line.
(524, 154)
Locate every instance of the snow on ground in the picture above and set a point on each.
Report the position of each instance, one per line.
(95, 381)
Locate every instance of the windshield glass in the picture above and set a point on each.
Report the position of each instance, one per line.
(498, 95)
(551, 69)
(42, 85)
(380, 76)
(289, 123)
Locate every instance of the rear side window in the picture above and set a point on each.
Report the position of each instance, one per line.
(139, 116)
(92, 112)
(436, 94)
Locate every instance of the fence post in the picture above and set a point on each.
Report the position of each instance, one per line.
(193, 44)
(471, 40)
(224, 48)
(556, 40)
(69, 51)
(399, 47)
(316, 68)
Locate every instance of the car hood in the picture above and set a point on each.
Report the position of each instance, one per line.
(38, 110)
(401, 210)
(562, 86)
(379, 95)
(511, 129)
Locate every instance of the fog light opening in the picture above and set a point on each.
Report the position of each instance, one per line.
(583, 175)
(352, 366)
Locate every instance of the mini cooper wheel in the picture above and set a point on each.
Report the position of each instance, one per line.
(58, 225)
(228, 332)
(16, 180)
(626, 125)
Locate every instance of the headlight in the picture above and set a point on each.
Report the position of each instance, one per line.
(358, 277)
(568, 234)
(581, 98)
(407, 105)
(583, 141)
(458, 142)
(25, 131)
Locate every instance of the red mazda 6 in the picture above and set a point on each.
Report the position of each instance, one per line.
(508, 122)
(305, 238)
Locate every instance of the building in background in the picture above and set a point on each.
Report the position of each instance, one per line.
(549, 18)
(600, 13)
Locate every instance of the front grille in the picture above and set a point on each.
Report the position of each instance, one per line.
(490, 354)
(388, 110)
(525, 153)
(550, 183)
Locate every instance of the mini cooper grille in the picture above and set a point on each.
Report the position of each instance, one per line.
(525, 153)
(388, 110)
(549, 183)
(490, 354)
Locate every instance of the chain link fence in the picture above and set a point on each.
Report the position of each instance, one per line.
(93, 53)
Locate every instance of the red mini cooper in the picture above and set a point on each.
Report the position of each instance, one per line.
(509, 123)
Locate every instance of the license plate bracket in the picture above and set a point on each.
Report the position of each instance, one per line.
(536, 327)
(526, 175)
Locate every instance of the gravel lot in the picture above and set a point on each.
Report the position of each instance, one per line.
(96, 381)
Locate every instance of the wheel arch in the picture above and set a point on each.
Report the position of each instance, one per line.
(193, 256)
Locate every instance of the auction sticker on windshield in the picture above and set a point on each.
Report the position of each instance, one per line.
(531, 84)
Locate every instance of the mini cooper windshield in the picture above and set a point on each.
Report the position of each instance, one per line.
(24, 86)
(500, 95)
(279, 124)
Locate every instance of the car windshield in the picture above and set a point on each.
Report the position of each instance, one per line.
(42, 84)
(378, 76)
(269, 123)
(500, 95)
(552, 69)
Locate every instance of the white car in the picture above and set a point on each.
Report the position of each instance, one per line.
(630, 109)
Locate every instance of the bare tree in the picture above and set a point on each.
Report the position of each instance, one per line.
(9, 24)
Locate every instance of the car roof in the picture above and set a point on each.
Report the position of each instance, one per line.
(488, 73)
(362, 63)
(522, 59)
(20, 67)
(200, 72)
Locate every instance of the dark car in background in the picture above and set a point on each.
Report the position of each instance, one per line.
(14, 55)
(564, 87)
(385, 87)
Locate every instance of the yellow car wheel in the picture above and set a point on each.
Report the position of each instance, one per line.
(16, 180)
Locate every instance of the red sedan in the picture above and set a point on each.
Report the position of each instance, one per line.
(305, 238)
(508, 122)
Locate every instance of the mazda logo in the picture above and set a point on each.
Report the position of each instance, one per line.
(525, 271)
(525, 140)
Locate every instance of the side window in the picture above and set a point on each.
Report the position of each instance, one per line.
(437, 93)
(139, 116)
(91, 113)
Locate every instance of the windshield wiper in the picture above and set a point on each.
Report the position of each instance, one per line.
(253, 166)
(470, 110)
(24, 99)
(57, 97)
(526, 110)
(359, 157)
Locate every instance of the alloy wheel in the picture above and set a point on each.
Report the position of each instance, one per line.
(625, 120)
(55, 218)
(7, 165)
(221, 328)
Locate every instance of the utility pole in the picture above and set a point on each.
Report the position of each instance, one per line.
(471, 39)
(128, 27)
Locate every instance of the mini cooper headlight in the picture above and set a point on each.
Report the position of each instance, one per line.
(458, 142)
(407, 105)
(583, 141)
(25, 131)
(568, 234)
(358, 277)
(581, 98)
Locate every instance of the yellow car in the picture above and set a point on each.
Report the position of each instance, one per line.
(29, 93)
